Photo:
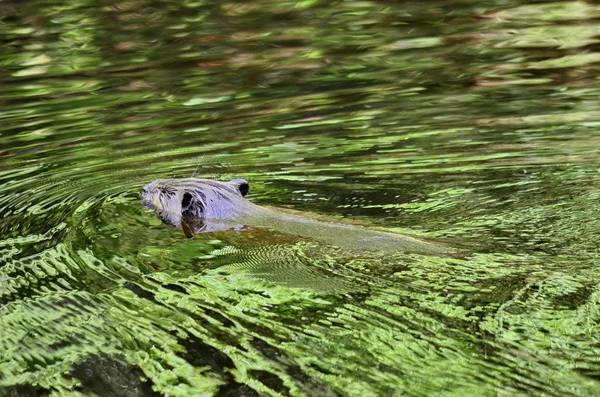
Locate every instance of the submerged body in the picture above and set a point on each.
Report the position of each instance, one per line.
(203, 205)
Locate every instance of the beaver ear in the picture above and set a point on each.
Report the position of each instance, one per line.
(242, 185)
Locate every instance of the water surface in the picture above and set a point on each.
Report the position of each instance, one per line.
(468, 124)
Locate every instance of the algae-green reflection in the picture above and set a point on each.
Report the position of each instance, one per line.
(471, 124)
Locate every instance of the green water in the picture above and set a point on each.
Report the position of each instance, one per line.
(472, 125)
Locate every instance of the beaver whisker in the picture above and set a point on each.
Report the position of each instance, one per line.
(197, 167)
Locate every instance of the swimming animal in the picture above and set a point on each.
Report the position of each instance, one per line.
(203, 205)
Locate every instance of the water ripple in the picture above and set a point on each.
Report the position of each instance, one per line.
(472, 125)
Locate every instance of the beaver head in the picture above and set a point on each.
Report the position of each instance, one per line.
(192, 202)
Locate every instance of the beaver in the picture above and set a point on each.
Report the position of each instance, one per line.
(203, 205)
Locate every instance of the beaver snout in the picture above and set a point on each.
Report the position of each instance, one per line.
(146, 197)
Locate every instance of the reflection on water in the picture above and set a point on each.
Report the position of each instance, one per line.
(473, 125)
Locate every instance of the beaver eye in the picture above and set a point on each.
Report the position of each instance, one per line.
(187, 200)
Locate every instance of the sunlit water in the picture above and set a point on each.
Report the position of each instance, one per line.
(471, 125)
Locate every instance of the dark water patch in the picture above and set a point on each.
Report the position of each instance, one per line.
(24, 391)
(141, 292)
(235, 389)
(107, 376)
(227, 323)
(309, 384)
(175, 287)
(573, 299)
(201, 354)
(271, 380)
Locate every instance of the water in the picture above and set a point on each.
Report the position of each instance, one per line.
(472, 125)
